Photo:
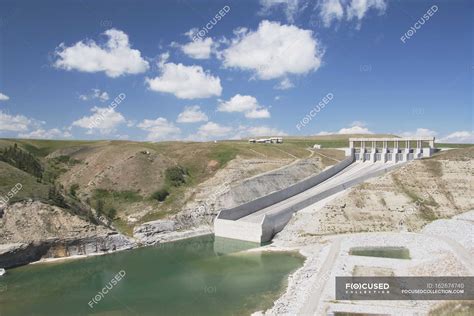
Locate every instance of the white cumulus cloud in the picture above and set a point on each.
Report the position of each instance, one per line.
(258, 114)
(256, 131)
(291, 8)
(46, 134)
(95, 94)
(420, 132)
(331, 10)
(192, 114)
(4, 97)
(213, 130)
(185, 82)
(104, 120)
(115, 57)
(285, 84)
(246, 104)
(355, 128)
(357, 9)
(337, 10)
(159, 129)
(459, 137)
(265, 131)
(199, 48)
(15, 123)
(273, 51)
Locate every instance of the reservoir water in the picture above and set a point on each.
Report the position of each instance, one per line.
(189, 277)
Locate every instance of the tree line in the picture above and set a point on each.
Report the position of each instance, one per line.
(22, 160)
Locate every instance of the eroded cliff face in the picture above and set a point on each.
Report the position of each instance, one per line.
(30, 231)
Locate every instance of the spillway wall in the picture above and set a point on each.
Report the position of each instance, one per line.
(278, 196)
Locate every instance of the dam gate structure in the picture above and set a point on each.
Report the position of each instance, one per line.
(259, 220)
(391, 149)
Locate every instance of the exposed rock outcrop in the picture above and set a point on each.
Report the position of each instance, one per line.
(30, 231)
(17, 254)
(148, 233)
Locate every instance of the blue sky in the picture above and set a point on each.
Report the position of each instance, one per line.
(258, 69)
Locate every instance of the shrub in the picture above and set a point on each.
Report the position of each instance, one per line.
(55, 197)
(112, 212)
(127, 196)
(100, 206)
(73, 189)
(63, 159)
(160, 195)
(175, 176)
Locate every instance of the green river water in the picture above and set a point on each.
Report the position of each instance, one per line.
(191, 277)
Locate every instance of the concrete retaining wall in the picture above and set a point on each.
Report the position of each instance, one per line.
(278, 196)
(274, 223)
(238, 230)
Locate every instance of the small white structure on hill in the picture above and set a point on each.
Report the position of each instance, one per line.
(316, 146)
(271, 140)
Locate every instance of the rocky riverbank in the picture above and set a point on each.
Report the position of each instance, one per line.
(161, 231)
(32, 231)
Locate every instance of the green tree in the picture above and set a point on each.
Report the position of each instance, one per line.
(22, 160)
(175, 176)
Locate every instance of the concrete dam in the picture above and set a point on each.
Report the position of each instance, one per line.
(259, 220)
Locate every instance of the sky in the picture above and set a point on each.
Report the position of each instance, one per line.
(206, 70)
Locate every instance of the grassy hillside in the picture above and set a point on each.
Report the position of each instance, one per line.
(41, 147)
(122, 178)
(30, 187)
